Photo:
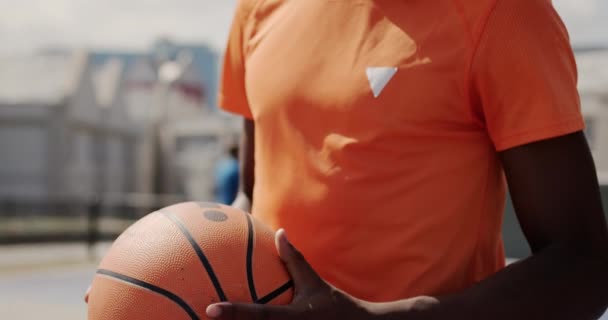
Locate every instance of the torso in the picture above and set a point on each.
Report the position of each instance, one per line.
(368, 151)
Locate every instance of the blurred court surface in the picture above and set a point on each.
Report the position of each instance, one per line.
(52, 293)
(46, 281)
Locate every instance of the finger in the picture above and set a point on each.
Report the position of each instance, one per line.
(237, 311)
(86, 295)
(303, 275)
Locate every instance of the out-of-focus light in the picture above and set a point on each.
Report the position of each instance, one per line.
(170, 71)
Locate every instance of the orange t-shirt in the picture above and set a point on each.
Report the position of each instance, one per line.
(378, 125)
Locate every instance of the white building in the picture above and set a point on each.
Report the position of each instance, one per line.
(122, 139)
(103, 123)
(61, 132)
(183, 138)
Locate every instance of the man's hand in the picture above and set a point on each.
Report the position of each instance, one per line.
(313, 299)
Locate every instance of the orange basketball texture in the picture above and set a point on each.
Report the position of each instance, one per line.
(174, 262)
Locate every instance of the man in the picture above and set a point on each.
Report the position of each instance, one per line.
(378, 134)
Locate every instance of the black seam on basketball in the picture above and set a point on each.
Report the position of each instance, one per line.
(275, 294)
(169, 295)
(200, 254)
(250, 280)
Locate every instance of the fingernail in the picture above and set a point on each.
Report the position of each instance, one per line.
(86, 294)
(282, 236)
(214, 311)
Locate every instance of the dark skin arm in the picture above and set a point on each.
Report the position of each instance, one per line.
(244, 199)
(555, 191)
(556, 195)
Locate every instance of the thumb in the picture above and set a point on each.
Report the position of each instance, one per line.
(304, 276)
(86, 295)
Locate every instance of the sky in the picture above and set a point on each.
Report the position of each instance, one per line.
(26, 25)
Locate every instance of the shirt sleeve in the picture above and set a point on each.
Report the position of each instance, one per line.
(524, 75)
(232, 95)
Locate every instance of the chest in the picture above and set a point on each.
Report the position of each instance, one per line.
(358, 63)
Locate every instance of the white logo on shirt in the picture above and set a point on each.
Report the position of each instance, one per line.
(379, 77)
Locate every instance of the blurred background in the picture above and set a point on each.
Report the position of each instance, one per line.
(108, 111)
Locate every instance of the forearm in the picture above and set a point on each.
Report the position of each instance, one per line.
(558, 283)
(244, 199)
(558, 205)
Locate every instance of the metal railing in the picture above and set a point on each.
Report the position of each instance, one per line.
(95, 218)
(69, 218)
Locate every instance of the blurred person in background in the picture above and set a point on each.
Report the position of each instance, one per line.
(227, 175)
(383, 132)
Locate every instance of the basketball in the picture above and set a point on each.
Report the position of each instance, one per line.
(176, 261)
